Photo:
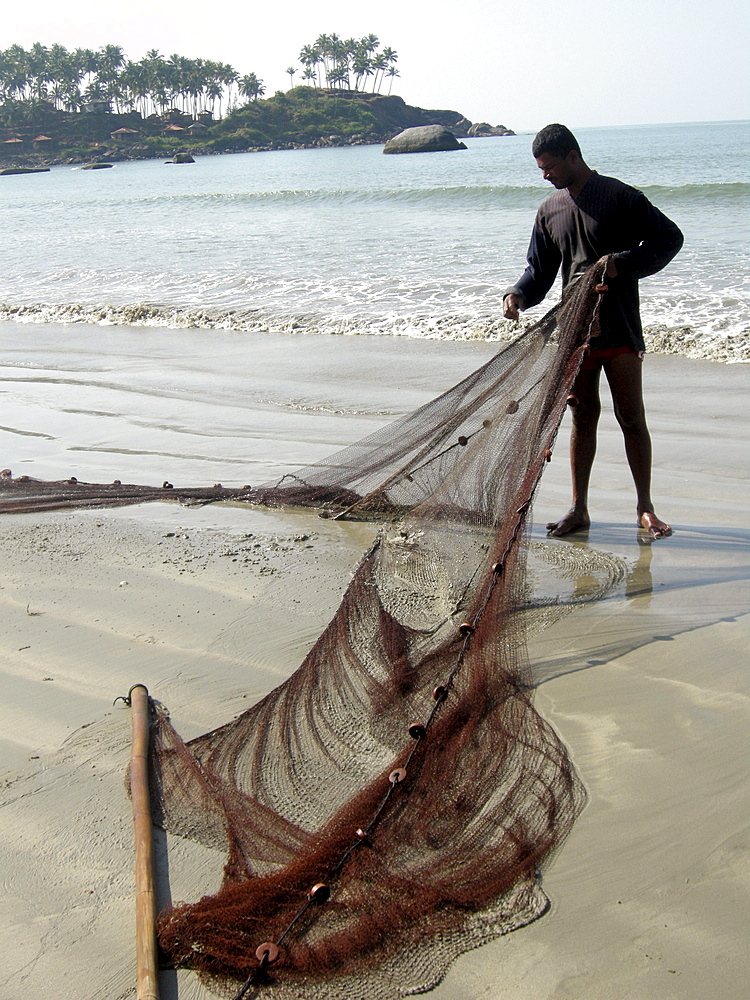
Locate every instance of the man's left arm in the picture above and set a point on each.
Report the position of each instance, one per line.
(660, 241)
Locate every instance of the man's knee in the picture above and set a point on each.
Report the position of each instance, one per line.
(586, 412)
(632, 419)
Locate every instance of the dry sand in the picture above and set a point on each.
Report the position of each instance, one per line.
(211, 608)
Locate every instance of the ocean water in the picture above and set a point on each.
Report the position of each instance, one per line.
(353, 242)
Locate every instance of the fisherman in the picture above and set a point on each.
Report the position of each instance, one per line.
(588, 217)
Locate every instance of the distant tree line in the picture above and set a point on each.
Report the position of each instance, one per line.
(347, 64)
(71, 79)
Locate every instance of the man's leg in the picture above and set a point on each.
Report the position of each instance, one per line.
(624, 376)
(585, 410)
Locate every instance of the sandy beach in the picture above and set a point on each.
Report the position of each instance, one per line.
(212, 608)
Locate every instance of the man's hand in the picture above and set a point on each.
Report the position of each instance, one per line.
(511, 305)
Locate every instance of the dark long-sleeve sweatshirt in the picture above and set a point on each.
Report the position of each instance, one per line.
(607, 217)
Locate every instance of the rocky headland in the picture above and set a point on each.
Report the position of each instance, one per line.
(304, 117)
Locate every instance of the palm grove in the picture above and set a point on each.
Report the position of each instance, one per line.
(70, 80)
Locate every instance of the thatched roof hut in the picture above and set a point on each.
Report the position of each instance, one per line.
(122, 134)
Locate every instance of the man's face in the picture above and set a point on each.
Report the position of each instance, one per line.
(558, 170)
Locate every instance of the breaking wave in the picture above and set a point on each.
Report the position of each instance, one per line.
(724, 341)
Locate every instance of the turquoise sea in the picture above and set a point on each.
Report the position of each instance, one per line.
(347, 240)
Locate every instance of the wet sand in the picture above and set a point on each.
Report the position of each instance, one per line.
(211, 608)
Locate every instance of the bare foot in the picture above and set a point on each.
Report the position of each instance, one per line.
(652, 524)
(574, 520)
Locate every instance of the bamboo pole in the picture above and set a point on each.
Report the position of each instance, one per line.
(147, 977)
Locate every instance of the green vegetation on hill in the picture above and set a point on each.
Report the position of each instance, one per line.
(304, 116)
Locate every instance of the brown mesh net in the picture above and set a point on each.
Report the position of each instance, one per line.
(392, 803)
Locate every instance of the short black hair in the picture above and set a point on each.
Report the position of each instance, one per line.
(557, 140)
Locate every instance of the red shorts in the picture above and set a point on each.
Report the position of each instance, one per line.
(594, 361)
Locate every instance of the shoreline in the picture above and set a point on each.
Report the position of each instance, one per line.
(211, 608)
(121, 155)
(488, 330)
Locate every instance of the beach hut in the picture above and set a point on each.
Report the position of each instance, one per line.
(196, 128)
(173, 130)
(44, 142)
(10, 147)
(123, 134)
(173, 116)
(97, 107)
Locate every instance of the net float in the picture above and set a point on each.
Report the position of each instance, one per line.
(319, 893)
(512, 406)
(466, 628)
(440, 693)
(417, 731)
(397, 776)
(267, 953)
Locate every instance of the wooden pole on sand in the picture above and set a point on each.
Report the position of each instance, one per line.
(147, 981)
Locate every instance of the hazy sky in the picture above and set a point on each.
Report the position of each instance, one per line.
(521, 64)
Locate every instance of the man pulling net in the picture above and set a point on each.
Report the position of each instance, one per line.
(588, 217)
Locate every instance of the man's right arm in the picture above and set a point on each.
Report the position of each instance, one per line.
(543, 262)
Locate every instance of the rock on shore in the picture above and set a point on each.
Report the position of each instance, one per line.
(483, 129)
(423, 139)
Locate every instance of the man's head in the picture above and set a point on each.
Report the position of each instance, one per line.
(557, 140)
(558, 156)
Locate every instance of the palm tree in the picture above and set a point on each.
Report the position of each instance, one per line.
(379, 65)
(310, 58)
(392, 73)
(214, 92)
(230, 78)
(291, 71)
(15, 72)
(251, 87)
(328, 46)
(361, 65)
(178, 77)
(86, 63)
(391, 56)
(37, 60)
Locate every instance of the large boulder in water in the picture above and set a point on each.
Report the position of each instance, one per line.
(182, 158)
(423, 139)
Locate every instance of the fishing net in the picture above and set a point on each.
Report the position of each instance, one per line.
(392, 804)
